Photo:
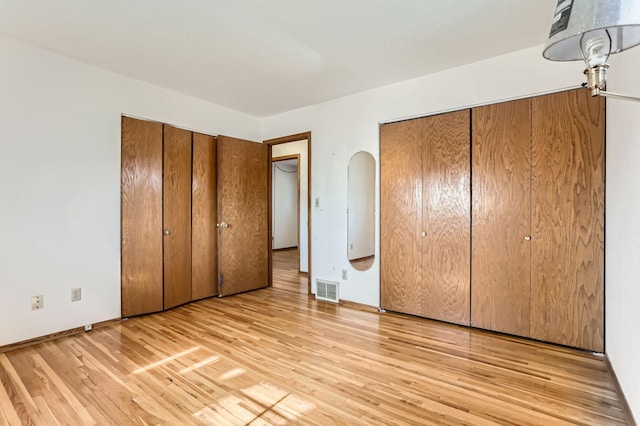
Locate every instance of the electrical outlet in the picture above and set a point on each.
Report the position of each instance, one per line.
(344, 274)
(76, 294)
(37, 302)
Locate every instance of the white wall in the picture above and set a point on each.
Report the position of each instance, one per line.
(342, 127)
(60, 182)
(361, 208)
(292, 148)
(284, 205)
(622, 247)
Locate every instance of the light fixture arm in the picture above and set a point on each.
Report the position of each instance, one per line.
(598, 92)
(597, 83)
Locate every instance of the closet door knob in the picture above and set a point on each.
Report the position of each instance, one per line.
(222, 225)
(527, 237)
(166, 232)
(423, 233)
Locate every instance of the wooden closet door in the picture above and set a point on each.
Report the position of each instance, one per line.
(177, 216)
(204, 256)
(401, 216)
(446, 210)
(568, 220)
(501, 211)
(141, 217)
(243, 197)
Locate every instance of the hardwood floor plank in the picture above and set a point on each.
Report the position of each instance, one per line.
(286, 264)
(275, 356)
(8, 412)
(15, 389)
(70, 398)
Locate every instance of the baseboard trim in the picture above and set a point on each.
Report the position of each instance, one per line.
(358, 306)
(53, 336)
(621, 397)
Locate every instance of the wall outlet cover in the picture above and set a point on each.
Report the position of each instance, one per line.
(37, 302)
(76, 294)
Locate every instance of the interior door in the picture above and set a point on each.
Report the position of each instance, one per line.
(141, 213)
(567, 301)
(501, 209)
(204, 263)
(177, 216)
(401, 216)
(446, 217)
(243, 215)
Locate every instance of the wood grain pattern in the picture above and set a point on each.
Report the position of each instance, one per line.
(568, 220)
(243, 204)
(141, 217)
(177, 216)
(501, 211)
(401, 216)
(204, 235)
(446, 211)
(277, 357)
(286, 273)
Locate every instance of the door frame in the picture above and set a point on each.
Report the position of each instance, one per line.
(277, 141)
(272, 163)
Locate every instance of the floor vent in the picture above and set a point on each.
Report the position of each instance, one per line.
(327, 291)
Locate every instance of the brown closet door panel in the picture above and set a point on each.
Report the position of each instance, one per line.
(568, 219)
(141, 213)
(243, 198)
(204, 244)
(446, 257)
(400, 216)
(177, 216)
(501, 211)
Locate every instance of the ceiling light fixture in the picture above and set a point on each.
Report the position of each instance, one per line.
(592, 30)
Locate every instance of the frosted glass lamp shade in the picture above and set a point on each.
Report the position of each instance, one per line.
(584, 29)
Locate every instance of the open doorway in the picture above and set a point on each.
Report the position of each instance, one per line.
(290, 222)
(285, 223)
(285, 217)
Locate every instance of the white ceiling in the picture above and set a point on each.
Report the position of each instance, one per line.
(263, 57)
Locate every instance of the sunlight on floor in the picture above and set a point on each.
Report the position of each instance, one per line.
(197, 365)
(264, 401)
(165, 360)
(232, 374)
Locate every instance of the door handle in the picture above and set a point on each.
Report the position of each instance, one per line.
(222, 225)
(166, 232)
(423, 233)
(527, 238)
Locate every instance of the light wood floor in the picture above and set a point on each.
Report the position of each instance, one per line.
(286, 265)
(275, 356)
